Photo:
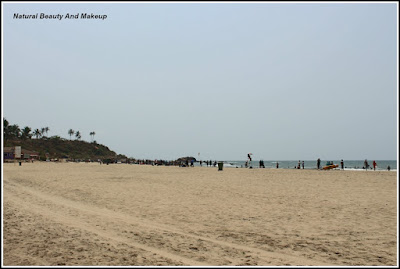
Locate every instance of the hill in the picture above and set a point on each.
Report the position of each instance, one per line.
(57, 147)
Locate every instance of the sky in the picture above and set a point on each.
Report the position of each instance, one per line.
(284, 81)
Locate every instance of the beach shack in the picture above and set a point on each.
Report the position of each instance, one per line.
(30, 155)
(17, 153)
(8, 153)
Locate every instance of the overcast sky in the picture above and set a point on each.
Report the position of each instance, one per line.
(284, 81)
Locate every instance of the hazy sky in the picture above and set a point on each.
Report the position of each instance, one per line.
(284, 81)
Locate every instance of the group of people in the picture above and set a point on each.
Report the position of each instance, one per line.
(374, 164)
(186, 164)
(209, 163)
(262, 164)
(298, 165)
(366, 165)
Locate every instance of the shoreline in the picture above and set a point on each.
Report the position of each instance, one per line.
(196, 164)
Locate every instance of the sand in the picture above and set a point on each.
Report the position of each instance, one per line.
(132, 215)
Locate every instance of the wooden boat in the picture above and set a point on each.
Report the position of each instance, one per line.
(330, 165)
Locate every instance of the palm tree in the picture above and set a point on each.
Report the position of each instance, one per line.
(78, 135)
(26, 133)
(43, 130)
(46, 129)
(14, 130)
(92, 135)
(5, 123)
(37, 133)
(70, 132)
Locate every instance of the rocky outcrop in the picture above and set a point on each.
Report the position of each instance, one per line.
(184, 159)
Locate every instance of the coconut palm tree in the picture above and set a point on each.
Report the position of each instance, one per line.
(14, 131)
(37, 133)
(42, 131)
(46, 129)
(92, 135)
(70, 132)
(5, 123)
(26, 133)
(78, 135)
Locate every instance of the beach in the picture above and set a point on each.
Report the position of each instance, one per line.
(82, 214)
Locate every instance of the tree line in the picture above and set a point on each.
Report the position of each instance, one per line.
(14, 132)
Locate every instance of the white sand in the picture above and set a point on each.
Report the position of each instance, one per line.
(91, 214)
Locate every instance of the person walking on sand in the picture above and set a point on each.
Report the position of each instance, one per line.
(277, 165)
(374, 164)
(302, 164)
(318, 163)
(342, 164)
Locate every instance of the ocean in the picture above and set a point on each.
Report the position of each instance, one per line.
(348, 164)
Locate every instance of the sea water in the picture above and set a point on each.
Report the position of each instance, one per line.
(348, 164)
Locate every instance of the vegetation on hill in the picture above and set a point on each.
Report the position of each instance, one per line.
(55, 146)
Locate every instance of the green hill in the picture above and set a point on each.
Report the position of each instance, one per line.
(56, 147)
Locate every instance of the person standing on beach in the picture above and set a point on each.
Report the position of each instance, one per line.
(298, 165)
(302, 164)
(318, 163)
(366, 165)
(374, 164)
(342, 164)
(277, 165)
(262, 164)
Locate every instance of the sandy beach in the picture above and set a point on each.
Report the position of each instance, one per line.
(136, 215)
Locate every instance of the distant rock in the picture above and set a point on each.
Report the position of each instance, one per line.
(189, 159)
